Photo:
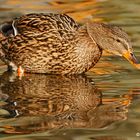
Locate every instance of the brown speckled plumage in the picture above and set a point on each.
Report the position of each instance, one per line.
(53, 43)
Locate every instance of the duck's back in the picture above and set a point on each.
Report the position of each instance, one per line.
(45, 22)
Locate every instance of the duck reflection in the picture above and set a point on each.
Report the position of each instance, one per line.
(42, 102)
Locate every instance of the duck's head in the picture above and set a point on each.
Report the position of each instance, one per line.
(113, 40)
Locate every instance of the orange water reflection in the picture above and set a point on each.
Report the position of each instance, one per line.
(78, 10)
(45, 102)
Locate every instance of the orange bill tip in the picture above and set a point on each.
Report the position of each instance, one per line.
(137, 66)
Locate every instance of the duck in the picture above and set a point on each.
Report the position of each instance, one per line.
(56, 44)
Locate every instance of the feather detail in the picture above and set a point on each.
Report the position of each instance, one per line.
(15, 30)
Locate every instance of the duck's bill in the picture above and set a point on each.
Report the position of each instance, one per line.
(132, 59)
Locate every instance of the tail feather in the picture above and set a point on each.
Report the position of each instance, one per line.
(7, 29)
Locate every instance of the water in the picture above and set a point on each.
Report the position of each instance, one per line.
(102, 105)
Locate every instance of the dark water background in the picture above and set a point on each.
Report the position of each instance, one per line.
(103, 105)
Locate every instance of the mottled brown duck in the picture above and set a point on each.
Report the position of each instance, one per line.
(56, 44)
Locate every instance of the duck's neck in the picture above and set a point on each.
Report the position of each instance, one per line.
(89, 51)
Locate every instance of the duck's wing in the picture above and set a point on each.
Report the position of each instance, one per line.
(36, 23)
(33, 30)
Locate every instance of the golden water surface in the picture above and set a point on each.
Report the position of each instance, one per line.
(103, 105)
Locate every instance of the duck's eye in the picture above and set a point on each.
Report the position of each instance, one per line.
(118, 40)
